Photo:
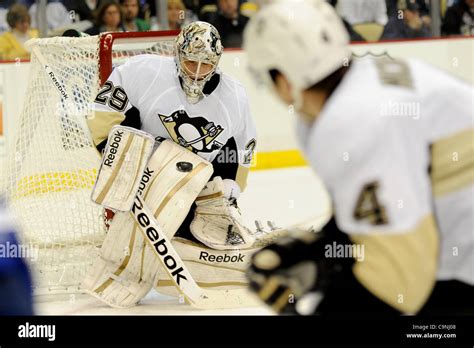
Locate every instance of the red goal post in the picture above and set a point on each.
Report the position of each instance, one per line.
(111, 43)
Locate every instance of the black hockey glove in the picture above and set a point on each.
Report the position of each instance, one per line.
(291, 276)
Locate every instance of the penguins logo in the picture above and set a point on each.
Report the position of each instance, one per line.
(196, 134)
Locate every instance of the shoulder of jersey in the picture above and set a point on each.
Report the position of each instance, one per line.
(363, 89)
(354, 105)
(149, 66)
(232, 86)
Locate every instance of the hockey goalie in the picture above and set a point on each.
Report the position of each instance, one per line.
(187, 161)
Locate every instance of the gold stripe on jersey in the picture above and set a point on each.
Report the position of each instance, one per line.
(400, 269)
(101, 124)
(241, 177)
(452, 163)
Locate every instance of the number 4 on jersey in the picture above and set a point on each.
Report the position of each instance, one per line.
(368, 206)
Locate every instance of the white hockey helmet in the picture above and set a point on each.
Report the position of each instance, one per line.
(305, 40)
(198, 42)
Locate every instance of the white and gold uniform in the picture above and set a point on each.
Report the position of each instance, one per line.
(146, 93)
(394, 144)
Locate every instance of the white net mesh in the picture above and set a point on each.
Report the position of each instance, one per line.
(52, 163)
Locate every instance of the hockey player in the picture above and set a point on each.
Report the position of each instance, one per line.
(392, 140)
(185, 98)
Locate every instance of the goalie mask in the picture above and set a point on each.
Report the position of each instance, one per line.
(198, 51)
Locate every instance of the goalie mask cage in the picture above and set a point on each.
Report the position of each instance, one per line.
(51, 160)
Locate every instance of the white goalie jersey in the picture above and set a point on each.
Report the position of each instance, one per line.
(395, 151)
(215, 136)
(145, 93)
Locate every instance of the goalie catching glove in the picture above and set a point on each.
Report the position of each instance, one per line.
(217, 221)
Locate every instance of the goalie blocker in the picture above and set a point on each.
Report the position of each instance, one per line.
(125, 158)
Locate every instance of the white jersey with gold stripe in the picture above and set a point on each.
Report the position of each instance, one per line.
(145, 93)
(394, 145)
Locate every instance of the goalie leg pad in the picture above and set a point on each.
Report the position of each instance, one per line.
(126, 268)
(175, 178)
(124, 271)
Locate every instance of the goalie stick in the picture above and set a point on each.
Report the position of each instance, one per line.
(179, 274)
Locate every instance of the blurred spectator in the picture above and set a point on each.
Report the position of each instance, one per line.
(4, 5)
(203, 3)
(148, 9)
(193, 5)
(248, 8)
(57, 15)
(7, 3)
(131, 22)
(27, 3)
(178, 16)
(354, 36)
(205, 7)
(84, 9)
(459, 19)
(108, 18)
(3, 20)
(228, 21)
(12, 43)
(363, 11)
(408, 24)
(392, 7)
(423, 8)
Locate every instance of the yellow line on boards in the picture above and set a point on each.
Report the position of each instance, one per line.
(63, 181)
(278, 159)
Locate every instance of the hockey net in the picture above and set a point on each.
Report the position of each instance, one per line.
(51, 160)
